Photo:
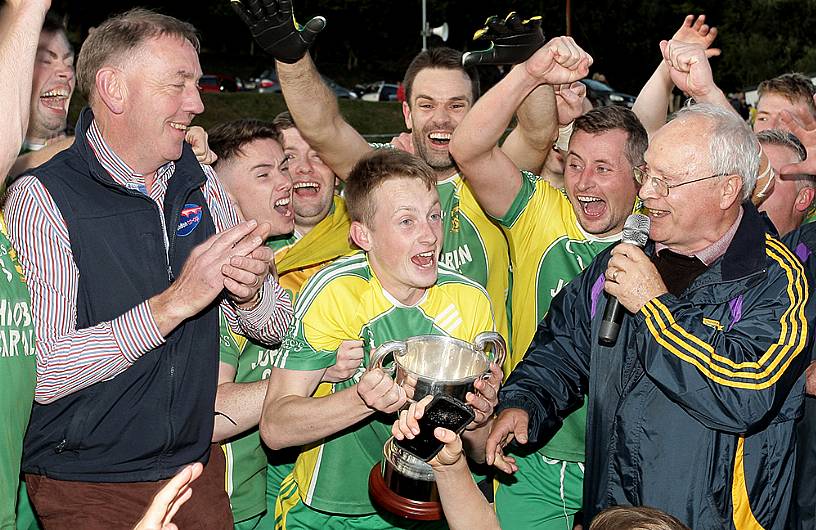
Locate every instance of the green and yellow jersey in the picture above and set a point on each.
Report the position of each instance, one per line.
(245, 457)
(345, 301)
(548, 248)
(254, 473)
(475, 246)
(18, 374)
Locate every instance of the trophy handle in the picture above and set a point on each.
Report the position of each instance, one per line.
(393, 347)
(499, 346)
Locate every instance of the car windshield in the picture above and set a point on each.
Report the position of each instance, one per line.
(597, 85)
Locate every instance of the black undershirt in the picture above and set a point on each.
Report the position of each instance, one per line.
(676, 270)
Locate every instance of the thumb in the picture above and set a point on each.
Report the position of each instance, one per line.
(570, 97)
(479, 57)
(312, 28)
(664, 45)
(713, 52)
(520, 429)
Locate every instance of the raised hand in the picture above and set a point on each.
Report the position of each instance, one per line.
(689, 67)
(273, 27)
(512, 41)
(808, 139)
(697, 32)
(559, 62)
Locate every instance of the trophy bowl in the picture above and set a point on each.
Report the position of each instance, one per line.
(436, 364)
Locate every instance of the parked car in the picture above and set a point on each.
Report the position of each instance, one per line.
(379, 91)
(602, 95)
(217, 83)
(267, 83)
(339, 91)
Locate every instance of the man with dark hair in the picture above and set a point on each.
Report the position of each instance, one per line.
(132, 250)
(553, 234)
(52, 87)
(691, 409)
(393, 290)
(313, 181)
(440, 93)
(255, 171)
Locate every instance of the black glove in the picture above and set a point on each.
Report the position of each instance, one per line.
(512, 41)
(274, 28)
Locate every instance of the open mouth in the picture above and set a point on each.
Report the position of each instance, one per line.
(306, 189)
(283, 207)
(425, 259)
(439, 139)
(591, 206)
(56, 99)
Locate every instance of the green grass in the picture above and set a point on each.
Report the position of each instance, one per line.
(378, 121)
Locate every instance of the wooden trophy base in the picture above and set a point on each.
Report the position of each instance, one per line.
(399, 505)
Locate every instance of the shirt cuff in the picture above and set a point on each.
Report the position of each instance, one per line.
(136, 332)
(255, 317)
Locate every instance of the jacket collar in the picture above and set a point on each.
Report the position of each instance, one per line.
(746, 253)
(186, 165)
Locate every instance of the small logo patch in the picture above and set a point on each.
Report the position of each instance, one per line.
(188, 220)
(712, 323)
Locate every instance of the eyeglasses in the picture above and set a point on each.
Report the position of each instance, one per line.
(660, 185)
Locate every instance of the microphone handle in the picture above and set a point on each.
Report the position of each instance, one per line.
(611, 324)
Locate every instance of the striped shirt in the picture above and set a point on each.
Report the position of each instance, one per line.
(70, 359)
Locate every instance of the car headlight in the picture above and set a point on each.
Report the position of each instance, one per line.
(615, 97)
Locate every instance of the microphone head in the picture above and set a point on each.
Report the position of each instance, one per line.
(636, 229)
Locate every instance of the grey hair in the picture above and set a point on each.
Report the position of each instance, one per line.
(732, 146)
(787, 139)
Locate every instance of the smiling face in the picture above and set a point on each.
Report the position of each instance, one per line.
(693, 216)
(599, 181)
(404, 238)
(160, 99)
(440, 98)
(255, 179)
(312, 181)
(52, 87)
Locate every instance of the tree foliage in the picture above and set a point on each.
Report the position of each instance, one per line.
(367, 40)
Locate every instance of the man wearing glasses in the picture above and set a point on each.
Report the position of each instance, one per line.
(692, 409)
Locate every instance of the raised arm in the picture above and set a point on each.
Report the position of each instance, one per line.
(315, 110)
(20, 26)
(529, 143)
(513, 41)
(493, 176)
(312, 104)
(691, 72)
(652, 103)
